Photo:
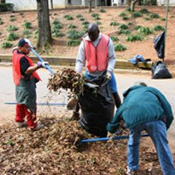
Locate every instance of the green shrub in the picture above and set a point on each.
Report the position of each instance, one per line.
(125, 18)
(120, 47)
(146, 18)
(72, 26)
(98, 22)
(123, 26)
(134, 38)
(85, 23)
(12, 36)
(68, 17)
(6, 7)
(12, 28)
(145, 30)
(123, 14)
(114, 24)
(6, 45)
(96, 18)
(136, 14)
(144, 11)
(85, 27)
(124, 32)
(27, 32)
(137, 27)
(27, 25)
(74, 34)
(56, 21)
(163, 19)
(130, 24)
(82, 19)
(158, 28)
(73, 42)
(154, 15)
(95, 15)
(79, 16)
(58, 34)
(102, 10)
(114, 38)
(56, 27)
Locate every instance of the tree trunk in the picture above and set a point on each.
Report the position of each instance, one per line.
(51, 3)
(133, 2)
(90, 6)
(44, 29)
(2, 1)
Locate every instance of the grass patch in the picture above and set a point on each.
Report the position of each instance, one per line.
(145, 30)
(68, 17)
(120, 47)
(133, 38)
(102, 10)
(114, 38)
(12, 36)
(74, 34)
(27, 25)
(144, 11)
(73, 43)
(72, 26)
(159, 28)
(114, 24)
(95, 15)
(6, 45)
(136, 14)
(12, 28)
(58, 34)
(79, 16)
(124, 32)
(123, 27)
(154, 16)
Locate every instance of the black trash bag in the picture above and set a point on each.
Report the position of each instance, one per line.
(159, 71)
(159, 45)
(97, 107)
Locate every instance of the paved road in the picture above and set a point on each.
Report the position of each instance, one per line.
(125, 80)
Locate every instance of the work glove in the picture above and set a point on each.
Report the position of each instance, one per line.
(108, 74)
(42, 64)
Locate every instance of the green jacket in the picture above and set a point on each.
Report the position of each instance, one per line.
(141, 104)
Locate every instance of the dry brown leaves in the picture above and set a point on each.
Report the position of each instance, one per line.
(67, 79)
(54, 150)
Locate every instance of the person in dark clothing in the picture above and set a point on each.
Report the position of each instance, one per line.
(25, 78)
(145, 108)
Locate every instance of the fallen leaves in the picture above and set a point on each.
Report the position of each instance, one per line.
(55, 149)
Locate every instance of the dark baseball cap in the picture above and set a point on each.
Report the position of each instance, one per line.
(22, 42)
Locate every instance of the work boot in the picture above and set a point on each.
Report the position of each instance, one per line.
(38, 126)
(21, 124)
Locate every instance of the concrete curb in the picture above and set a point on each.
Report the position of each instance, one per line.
(61, 61)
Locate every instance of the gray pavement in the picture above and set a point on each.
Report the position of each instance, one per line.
(124, 80)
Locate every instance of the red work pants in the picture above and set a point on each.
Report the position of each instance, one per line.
(21, 112)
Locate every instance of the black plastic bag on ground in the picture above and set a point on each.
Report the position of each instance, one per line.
(159, 45)
(159, 71)
(97, 107)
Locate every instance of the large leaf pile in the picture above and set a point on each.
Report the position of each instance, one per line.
(55, 150)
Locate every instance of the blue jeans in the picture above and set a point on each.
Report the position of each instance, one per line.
(157, 132)
(112, 81)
